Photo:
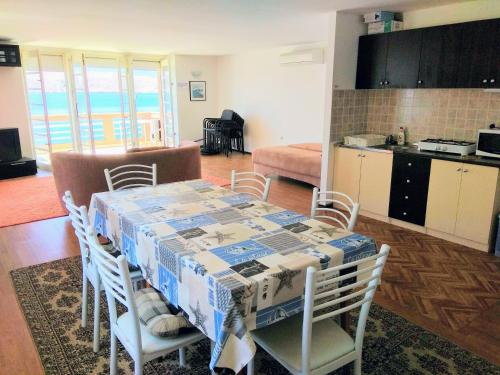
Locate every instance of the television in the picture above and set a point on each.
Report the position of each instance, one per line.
(10, 147)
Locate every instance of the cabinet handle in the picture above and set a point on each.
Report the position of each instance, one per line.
(459, 169)
(466, 170)
(363, 156)
(409, 164)
(381, 83)
(18, 163)
(386, 82)
(492, 80)
(408, 181)
(404, 214)
(485, 81)
(406, 196)
(420, 81)
(359, 155)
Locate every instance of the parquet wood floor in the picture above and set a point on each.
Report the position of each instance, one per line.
(446, 288)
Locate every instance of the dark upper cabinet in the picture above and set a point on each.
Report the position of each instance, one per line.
(439, 56)
(459, 55)
(479, 56)
(372, 57)
(403, 56)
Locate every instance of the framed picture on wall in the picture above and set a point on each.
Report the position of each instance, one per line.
(197, 91)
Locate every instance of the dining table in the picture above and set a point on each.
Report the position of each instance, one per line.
(231, 262)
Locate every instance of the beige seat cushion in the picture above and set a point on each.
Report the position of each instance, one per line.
(297, 160)
(308, 146)
(283, 340)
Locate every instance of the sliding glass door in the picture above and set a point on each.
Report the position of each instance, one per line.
(48, 104)
(95, 104)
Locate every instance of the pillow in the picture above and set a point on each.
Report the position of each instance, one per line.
(156, 316)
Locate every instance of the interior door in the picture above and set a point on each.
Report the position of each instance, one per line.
(372, 59)
(442, 199)
(403, 56)
(375, 182)
(474, 215)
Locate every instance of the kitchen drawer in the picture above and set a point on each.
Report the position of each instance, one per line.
(407, 207)
(409, 188)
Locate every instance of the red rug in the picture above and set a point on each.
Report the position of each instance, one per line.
(28, 199)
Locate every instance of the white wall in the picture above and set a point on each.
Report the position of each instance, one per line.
(452, 13)
(190, 114)
(13, 108)
(280, 104)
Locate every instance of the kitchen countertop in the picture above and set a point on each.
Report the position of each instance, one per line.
(413, 150)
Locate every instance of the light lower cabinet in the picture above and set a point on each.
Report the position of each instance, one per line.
(365, 176)
(462, 199)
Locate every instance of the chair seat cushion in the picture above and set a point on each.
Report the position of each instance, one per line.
(151, 343)
(156, 316)
(283, 340)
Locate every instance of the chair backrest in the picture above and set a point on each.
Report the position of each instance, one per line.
(130, 176)
(80, 221)
(346, 217)
(227, 114)
(338, 290)
(115, 277)
(251, 183)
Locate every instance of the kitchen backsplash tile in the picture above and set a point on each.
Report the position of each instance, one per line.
(450, 113)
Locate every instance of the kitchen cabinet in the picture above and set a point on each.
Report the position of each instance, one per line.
(403, 56)
(439, 56)
(460, 55)
(372, 59)
(365, 176)
(409, 188)
(479, 62)
(462, 200)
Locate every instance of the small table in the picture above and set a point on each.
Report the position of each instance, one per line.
(231, 262)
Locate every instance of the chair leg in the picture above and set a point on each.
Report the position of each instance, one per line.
(85, 300)
(357, 366)
(97, 313)
(182, 357)
(113, 360)
(250, 367)
(138, 367)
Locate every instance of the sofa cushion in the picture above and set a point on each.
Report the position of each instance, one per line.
(308, 146)
(298, 160)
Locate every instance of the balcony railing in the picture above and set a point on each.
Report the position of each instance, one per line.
(107, 131)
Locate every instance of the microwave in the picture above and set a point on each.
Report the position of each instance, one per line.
(488, 143)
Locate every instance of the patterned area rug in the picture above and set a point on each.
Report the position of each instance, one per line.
(49, 295)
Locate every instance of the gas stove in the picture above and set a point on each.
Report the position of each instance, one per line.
(447, 145)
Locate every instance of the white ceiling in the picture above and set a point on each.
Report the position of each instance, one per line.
(180, 26)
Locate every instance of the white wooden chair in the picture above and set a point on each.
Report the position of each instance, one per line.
(80, 221)
(312, 343)
(337, 199)
(140, 344)
(130, 176)
(251, 183)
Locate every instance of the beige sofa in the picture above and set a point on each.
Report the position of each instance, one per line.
(298, 161)
(83, 174)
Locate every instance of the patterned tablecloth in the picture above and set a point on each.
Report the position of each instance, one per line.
(231, 262)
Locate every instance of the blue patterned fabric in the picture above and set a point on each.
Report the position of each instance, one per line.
(232, 262)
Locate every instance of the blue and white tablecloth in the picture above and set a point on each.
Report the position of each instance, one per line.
(231, 262)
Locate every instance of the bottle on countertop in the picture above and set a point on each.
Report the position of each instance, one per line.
(401, 136)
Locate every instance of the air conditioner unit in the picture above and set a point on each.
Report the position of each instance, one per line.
(308, 56)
